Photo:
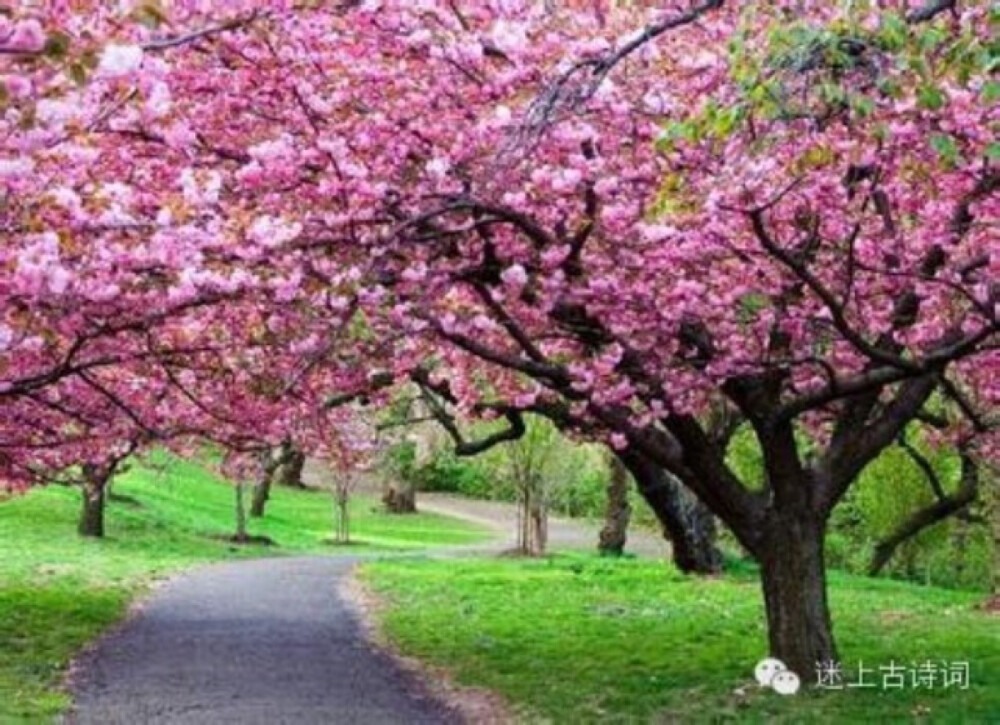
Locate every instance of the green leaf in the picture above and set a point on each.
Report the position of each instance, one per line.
(931, 97)
(991, 92)
(893, 32)
(946, 148)
(863, 105)
(931, 38)
(993, 151)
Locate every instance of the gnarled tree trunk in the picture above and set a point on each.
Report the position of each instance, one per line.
(290, 473)
(687, 524)
(95, 479)
(400, 497)
(262, 490)
(617, 512)
(793, 576)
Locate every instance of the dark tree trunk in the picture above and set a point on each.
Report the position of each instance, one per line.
(291, 472)
(793, 576)
(617, 512)
(687, 524)
(92, 514)
(400, 498)
(262, 492)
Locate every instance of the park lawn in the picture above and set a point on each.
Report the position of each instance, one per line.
(578, 638)
(58, 592)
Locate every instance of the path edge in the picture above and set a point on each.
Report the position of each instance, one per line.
(474, 705)
(76, 668)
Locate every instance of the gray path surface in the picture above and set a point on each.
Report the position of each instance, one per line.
(270, 641)
(257, 642)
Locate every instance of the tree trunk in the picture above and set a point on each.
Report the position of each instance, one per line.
(532, 535)
(793, 576)
(538, 525)
(291, 472)
(687, 524)
(92, 514)
(400, 498)
(342, 522)
(617, 511)
(262, 491)
(241, 515)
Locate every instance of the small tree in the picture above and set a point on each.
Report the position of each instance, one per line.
(240, 467)
(344, 481)
(529, 460)
(349, 450)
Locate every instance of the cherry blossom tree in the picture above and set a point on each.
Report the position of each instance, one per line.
(660, 220)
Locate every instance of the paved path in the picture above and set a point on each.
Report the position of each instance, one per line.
(262, 642)
(270, 642)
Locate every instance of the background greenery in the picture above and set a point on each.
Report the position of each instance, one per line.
(888, 491)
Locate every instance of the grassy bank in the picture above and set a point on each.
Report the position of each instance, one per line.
(58, 591)
(582, 639)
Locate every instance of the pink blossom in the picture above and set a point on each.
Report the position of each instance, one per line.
(28, 37)
(515, 276)
(120, 60)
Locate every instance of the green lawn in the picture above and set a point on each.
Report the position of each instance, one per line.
(58, 592)
(582, 639)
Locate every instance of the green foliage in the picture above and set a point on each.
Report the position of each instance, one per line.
(576, 473)
(59, 591)
(888, 491)
(586, 639)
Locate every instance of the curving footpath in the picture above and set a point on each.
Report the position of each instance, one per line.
(262, 642)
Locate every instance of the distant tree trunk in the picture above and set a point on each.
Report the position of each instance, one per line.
(262, 489)
(533, 521)
(241, 514)
(400, 497)
(291, 472)
(95, 479)
(617, 511)
(342, 517)
(687, 524)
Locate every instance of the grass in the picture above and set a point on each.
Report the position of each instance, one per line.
(580, 639)
(58, 591)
